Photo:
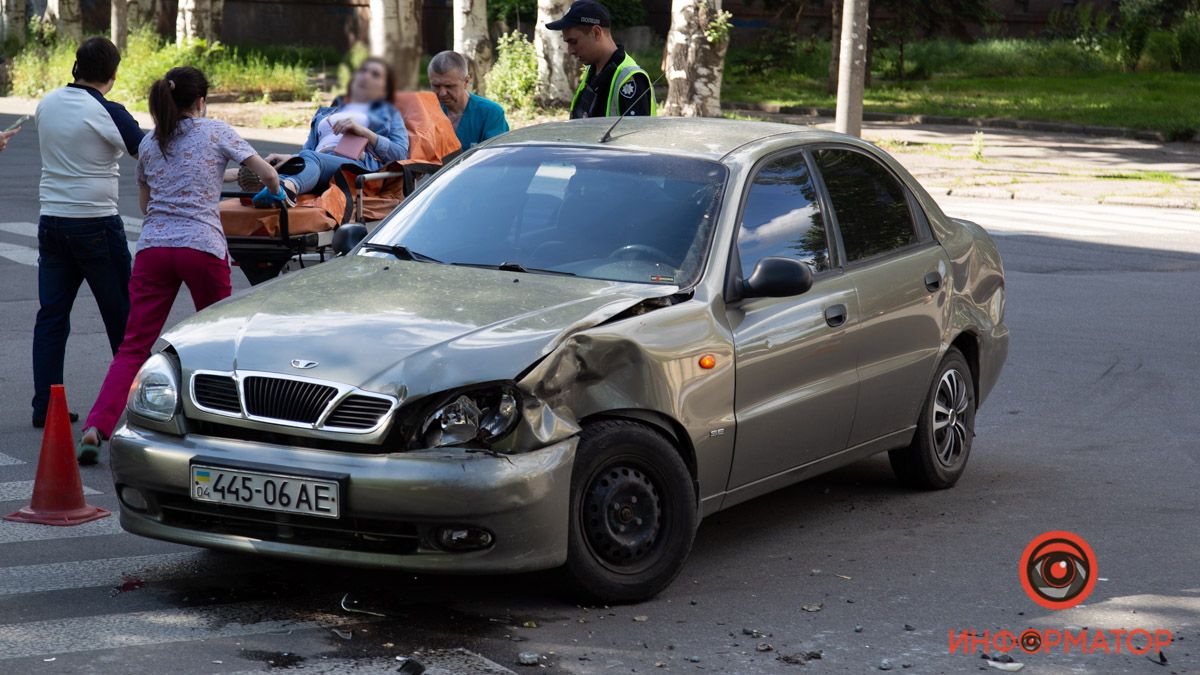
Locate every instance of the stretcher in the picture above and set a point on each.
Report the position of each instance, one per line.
(267, 242)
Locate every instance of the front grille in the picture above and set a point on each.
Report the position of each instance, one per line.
(216, 392)
(358, 412)
(289, 400)
(347, 533)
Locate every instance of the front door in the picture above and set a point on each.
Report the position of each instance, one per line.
(796, 384)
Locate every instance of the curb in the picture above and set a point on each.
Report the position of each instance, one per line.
(976, 192)
(979, 122)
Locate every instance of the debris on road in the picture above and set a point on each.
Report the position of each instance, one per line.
(909, 627)
(641, 618)
(1161, 659)
(886, 664)
(344, 634)
(753, 632)
(411, 667)
(811, 608)
(858, 629)
(764, 647)
(1009, 666)
(529, 624)
(355, 609)
(529, 658)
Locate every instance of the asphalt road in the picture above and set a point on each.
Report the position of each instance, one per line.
(1092, 429)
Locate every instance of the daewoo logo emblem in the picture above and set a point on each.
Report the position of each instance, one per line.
(303, 364)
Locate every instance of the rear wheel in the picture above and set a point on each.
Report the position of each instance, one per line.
(633, 513)
(938, 454)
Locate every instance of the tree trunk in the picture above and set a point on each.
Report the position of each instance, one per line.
(199, 20)
(12, 20)
(558, 72)
(471, 39)
(65, 16)
(835, 46)
(396, 36)
(852, 68)
(139, 12)
(120, 24)
(694, 65)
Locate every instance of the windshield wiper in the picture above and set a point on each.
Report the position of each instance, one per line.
(515, 267)
(400, 251)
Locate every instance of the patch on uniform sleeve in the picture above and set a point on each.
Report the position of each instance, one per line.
(628, 89)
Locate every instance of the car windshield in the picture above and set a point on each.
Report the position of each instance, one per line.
(589, 212)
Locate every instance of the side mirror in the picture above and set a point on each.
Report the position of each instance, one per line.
(775, 277)
(346, 237)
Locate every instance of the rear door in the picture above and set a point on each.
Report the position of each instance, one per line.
(796, 385)
(898, 270)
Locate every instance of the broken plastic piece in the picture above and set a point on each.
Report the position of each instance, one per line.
(355, 610)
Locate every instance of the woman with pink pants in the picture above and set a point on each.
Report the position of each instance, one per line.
(180, 171)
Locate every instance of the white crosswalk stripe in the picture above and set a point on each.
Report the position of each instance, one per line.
(136, 629)
(1076, 222)
(23, 489)
(28, 254)
(109, 572)
(11, 532)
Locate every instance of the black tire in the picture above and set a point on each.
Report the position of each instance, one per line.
(634, 474)
(937, 457)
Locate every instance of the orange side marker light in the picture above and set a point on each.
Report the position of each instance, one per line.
(708, 361)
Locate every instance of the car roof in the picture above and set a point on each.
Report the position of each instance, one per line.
(707, 137)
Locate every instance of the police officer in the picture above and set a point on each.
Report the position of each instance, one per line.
(613, 83)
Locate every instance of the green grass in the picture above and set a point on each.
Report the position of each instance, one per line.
(41, 68)
(1162, 102)
(278, 120)
(1152, 176)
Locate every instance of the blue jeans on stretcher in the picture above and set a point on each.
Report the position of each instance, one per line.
(318, 169)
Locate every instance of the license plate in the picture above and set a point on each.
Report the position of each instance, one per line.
(266, 491)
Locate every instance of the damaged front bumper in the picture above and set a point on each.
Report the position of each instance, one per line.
(392, 508)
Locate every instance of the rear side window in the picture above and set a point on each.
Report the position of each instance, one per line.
(870, 204)
(782, 217)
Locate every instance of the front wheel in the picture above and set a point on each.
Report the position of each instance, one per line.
(633, 513)
(938, 454)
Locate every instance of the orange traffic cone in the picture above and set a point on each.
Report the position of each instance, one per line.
(58, 491)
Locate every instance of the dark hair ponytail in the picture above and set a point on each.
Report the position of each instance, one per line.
(170, 97)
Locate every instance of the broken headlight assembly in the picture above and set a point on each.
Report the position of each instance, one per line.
(478, 416)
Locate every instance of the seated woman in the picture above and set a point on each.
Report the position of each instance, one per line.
(363, 128)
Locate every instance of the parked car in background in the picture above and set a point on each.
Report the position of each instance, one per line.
(565, 352)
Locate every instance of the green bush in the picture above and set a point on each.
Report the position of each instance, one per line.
(1161, 53)
(1138, 19)
(995, 58)
(1187, 34)
(513, 78)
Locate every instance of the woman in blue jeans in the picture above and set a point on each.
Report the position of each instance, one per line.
(365, 111)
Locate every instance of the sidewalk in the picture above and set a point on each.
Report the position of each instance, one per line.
(1029, 165)
(1014, 164)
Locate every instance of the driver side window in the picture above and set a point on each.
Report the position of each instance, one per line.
(782, 217)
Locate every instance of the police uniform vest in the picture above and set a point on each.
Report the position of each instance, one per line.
(625, 72)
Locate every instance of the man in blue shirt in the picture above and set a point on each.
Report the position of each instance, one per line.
(474, 117)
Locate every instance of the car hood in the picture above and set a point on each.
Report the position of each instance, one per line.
(401, 328)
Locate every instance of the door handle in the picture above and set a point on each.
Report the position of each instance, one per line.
(933, 281)
(835, 315)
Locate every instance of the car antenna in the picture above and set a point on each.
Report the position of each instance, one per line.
(608, 134)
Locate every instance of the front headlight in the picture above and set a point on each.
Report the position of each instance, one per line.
(485, 416)
(155, 391)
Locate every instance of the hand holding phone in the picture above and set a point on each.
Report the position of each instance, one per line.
(20, 120)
